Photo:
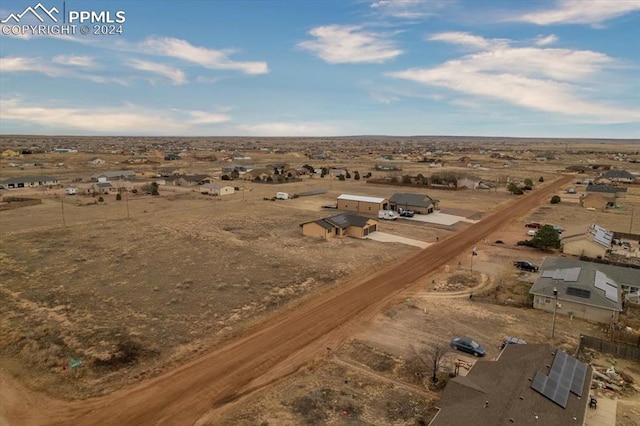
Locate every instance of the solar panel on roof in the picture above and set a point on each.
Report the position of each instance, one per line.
(603, 237)
(567, 375)
(609, 286)
(579, 292)
(579, 376)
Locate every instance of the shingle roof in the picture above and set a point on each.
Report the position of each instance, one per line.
(605, 188)
(555, 273)
(419, 200)
(118, 173)
(505, 384)
(341, 221)
(619, 174)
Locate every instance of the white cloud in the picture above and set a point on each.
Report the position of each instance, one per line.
(580, 12)
(175, 75)
(75, 60)
(466, 39)
(407, 9)
(127, 119)
(205, 57)
(546, 40)
(24, 64)
(288, 129)
(543, 79)
(342, 44)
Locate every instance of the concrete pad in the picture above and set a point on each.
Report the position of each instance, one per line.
(604, 414)
(440, 218)
(389, 238)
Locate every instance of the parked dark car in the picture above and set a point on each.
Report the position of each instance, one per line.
(525, 266)
(406, 213)
(535, 225)
(468, 345)
(511, 341)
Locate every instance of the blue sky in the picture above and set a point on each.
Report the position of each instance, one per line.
(565, 68)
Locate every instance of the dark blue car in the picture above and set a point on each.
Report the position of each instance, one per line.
(468, 345)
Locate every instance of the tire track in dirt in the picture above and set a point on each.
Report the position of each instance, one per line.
(186, 394)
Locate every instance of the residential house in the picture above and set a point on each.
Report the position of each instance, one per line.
(598, 200)
(10, 153)
(255, 174)
(29, 182)
(618, 191)
(240, 168)
(593, 242)
(104, 187)
(360, 204)
(346, 224)
(620, 176)
(188, 180)
(419, 203)
(171, 171)
(527, 385)
(172, 157)
(216, 189)
(468, 182)
(585, 290)
(113, 175)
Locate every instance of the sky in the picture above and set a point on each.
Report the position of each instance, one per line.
(552, 68)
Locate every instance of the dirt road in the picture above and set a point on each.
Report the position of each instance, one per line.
(280, 346)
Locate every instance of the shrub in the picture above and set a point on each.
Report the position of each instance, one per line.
(555, 199)
(118, 197)
(100, 200)
(541, 179)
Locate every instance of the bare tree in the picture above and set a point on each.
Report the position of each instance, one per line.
(432, 358)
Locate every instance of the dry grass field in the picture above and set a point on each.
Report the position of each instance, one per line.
(134, 287)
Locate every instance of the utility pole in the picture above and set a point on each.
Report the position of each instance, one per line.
(633, 209)
(555, 308)
(127, 202)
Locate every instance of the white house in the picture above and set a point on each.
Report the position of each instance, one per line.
(216, 189)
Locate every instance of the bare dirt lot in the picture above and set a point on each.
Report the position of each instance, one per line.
(172, 292)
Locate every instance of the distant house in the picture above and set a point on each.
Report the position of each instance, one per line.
(29, 182)
(262, 174)
(521, 387)
(593, 242)
(597, 200)
(620, 176)
(10, 153)
(240, 168)
(586, 290)
(171, 171)
(114, 175)
(96, 162)
(346, 224)
(110, 187)
(468, 182)
(360, 204)
(188, 180)
(419, 203)
(172, 157)
(216, 189)
(618, 191)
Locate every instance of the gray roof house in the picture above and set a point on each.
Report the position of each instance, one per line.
(618, 191)
(586, 290)
(521, 387)
(344, 224)
(419, 203)
(114, 175)
(620, 176)
(29, 182)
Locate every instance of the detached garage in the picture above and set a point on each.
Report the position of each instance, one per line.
(360, 204)
(341, 225)
(216, 189)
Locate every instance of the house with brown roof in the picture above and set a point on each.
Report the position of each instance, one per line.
(262, 174)
(188, 180)
(527, 385)
(346, 224)
(592, 241)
